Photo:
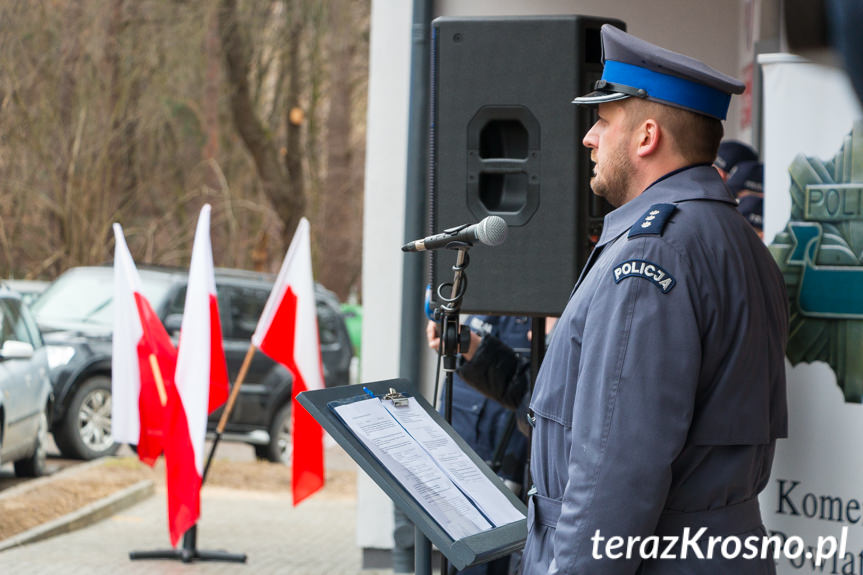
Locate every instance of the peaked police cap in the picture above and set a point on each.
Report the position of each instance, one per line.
(636, 68)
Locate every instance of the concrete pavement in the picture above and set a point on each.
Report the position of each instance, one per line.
(316, 538)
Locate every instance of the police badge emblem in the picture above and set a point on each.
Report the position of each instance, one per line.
(820, 253)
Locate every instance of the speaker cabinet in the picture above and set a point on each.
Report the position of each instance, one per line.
(506, 140)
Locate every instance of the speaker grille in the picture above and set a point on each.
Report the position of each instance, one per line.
(506, 141)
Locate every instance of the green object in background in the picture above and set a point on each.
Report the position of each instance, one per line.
(354, 320)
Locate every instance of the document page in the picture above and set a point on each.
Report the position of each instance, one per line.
(413, 467)
(455, 462)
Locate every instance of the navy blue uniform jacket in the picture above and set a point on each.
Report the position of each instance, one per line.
(663, 389)
(481, 421)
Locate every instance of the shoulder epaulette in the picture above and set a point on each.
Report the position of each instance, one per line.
(653, 221)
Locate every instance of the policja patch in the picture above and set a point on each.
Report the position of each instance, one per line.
(647, 270)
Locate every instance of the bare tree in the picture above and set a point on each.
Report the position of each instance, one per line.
(139, 111)
(288, 203)
(341, 201)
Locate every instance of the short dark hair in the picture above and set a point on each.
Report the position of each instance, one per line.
(695, 136)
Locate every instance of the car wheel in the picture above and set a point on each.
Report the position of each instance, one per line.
(34, 466)
(281, 445)
(85, 432)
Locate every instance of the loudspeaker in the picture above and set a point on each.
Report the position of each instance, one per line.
(506, 140)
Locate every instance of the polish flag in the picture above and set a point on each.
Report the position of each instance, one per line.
(201, 381)
(143, 362)
(288, 333)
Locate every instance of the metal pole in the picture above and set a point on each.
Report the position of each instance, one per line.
(422, 553)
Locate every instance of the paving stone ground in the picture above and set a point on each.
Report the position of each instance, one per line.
(315, 538)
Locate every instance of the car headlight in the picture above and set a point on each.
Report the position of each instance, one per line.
(59, 355)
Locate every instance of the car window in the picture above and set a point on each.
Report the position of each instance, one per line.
(32, 327)
(328, 324)
(84, 295)
(14, 327)
(178, 302)
(240, 308)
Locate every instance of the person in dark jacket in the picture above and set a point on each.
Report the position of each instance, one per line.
(482, 422)
(662, 393)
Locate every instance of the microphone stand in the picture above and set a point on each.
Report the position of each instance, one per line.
(454, 340)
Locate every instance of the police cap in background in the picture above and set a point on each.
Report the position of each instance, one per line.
(746, 177)
(731, 153)
(752, 208)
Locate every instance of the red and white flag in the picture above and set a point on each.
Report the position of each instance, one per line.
(142, 367)
(288, 333)
(201, 381)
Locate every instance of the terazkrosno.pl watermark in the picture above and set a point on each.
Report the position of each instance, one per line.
(690, 545)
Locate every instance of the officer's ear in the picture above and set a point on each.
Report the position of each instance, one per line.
(649, 137)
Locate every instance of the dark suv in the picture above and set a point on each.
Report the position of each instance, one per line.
(76, 318)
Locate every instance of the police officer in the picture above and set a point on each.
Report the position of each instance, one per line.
(662, 393)
(747, 179)
(731, 153)
(747, 185)
(485, 424)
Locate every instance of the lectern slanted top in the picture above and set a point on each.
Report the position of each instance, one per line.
(495, 527)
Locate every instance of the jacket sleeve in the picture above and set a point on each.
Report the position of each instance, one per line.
(498, 372)
(637, 378)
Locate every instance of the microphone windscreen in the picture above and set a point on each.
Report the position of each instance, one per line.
(491, 231)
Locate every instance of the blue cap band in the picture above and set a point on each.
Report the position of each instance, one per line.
(668, 88)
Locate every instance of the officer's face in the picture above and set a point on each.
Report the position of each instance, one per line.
(607, 140)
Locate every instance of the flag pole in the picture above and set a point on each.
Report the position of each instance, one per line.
(226, 413)
(189, 551)
(160, 383)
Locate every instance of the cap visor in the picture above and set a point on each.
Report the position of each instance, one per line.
(598, 97)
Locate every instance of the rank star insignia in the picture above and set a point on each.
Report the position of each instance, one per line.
(653, 221)
(818, 254)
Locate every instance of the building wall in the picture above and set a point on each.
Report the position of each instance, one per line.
(383, 234)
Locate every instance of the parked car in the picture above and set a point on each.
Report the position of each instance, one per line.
(25, 388)
(29, 290)
(76, 317)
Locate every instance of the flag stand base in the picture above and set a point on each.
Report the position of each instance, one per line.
(189, 552)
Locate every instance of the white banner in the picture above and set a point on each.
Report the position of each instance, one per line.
(815, 489)
(808, 109)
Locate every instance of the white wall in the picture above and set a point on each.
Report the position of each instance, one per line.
(383, 214)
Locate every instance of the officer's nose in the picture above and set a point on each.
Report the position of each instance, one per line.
(591, 139)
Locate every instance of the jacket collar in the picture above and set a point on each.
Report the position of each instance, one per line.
(696, 182)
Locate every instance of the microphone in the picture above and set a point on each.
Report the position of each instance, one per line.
(490, 231)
